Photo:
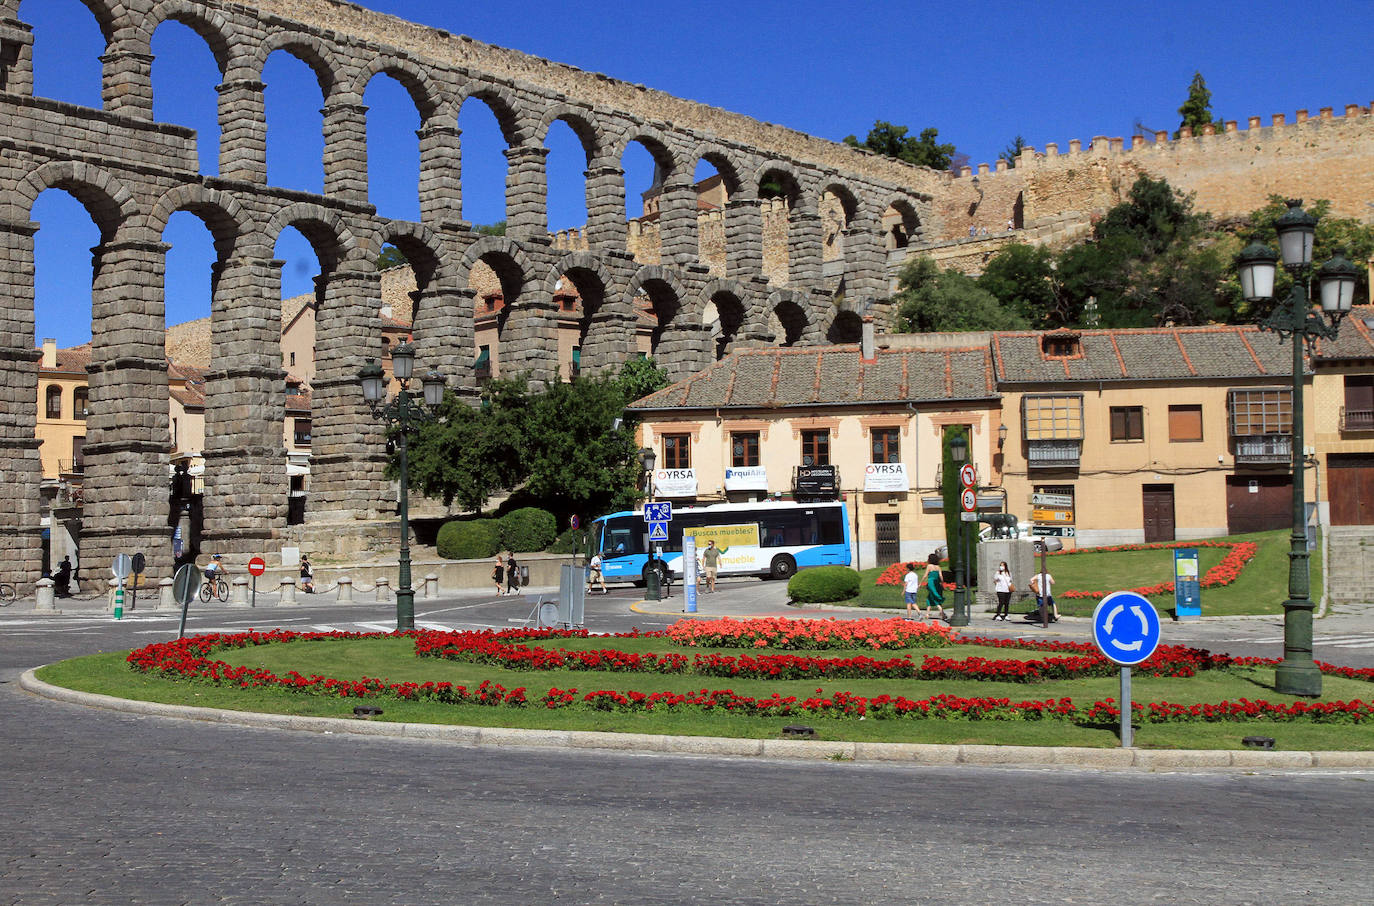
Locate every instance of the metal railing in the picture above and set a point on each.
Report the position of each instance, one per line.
(1053, 454)
(1357, 419)
(1264, 448)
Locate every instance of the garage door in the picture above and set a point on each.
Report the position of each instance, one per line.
(1258, 503)
(1351, 489)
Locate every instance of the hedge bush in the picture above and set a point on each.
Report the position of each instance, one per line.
(527, 529)
(569, 542)
(469, 539)
(823, 584)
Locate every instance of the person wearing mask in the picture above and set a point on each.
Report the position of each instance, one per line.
(1002, 584)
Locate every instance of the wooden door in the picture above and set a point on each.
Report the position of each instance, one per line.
(1352, 489)
(1258, 503)
(1158, 500)
(886, 531)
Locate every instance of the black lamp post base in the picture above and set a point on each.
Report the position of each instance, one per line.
(1298, 678)
(405, 609)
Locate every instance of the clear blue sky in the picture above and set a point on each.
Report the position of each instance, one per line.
(981, 74)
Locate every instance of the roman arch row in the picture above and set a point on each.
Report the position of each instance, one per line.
(132, 174)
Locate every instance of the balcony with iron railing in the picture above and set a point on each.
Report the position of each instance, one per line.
(1357, 419)
(1054, 454)
(1261, 449)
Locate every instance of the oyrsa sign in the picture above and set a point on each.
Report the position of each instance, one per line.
(746, 478)
(886, 476)
(675, 483)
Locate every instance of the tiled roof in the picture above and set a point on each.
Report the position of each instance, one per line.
(1146, 354)
(830, 375)
(74, 359)
(1355, 340)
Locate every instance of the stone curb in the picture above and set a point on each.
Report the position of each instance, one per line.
(1145, 760)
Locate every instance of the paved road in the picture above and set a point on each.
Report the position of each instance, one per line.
(113, 808)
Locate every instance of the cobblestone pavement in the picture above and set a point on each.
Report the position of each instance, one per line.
(103, 807)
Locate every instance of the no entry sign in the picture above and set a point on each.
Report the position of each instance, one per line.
(257, 566)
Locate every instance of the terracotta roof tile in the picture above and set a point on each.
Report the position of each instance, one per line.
(1355, 339)
(1144, 354)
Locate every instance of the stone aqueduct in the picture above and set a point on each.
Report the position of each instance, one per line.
(132, 174)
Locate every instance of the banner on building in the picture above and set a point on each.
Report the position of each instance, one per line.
(746, 478)
(886, 476)
(675, 483)
(816, 482)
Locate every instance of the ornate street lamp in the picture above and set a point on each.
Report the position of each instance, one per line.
(958, 455)
(1298, 673)
(406, 415)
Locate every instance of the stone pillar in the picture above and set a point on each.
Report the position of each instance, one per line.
(245, 456)
(21, 469)
(865, 262)
(431, 585)
(805, 240)
(127, 83)
(345, 590)
(683, 350)
(383, 588)
(243, 131)
(610, 340)
(44, 597)
(677, 221)
(288, 590)
(743, 239)
(527, 190)
(16, 57)
(166, 594)
(127, 438)
(238, 592)
(444, 338)
(529, 342)
(441, 174)
(606, 206)
(345, 150)
(347, 444)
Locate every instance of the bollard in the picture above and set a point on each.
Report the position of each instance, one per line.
(345, 590)
(288, 590)
(166, 595)
(114, 587)
(432, 585)
(383, 588)
(238, 592)
(47, 598)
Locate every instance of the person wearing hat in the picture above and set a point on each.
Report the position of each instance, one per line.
(215, 568)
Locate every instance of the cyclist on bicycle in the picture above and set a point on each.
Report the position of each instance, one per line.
(215, 568)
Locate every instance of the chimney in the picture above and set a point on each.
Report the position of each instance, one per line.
(49, 352)
(867, 347)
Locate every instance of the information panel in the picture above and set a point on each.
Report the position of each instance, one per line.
(1187, 587)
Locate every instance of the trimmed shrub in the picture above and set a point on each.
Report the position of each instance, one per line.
(823, 585)
(569, 542)
(469, 539)
(527, 529)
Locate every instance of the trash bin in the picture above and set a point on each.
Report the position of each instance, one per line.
(524, 576)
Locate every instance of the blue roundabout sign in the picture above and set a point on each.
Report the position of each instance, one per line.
(1126, 628)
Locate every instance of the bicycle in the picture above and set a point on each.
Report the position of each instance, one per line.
(214, 587)
(8, 594)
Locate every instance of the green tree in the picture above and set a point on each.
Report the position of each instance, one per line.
(1011, 153)
(472, 452)
(1197, 109)
(640, 377)
(891, 140)
(929, 299)
(391, 257)
(491, 229)
(1334, 234)
(1022, 279)
(577, 462)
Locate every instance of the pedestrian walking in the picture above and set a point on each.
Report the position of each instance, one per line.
(710, 561)
(911, 589)
(512, 574)
(1042, 586)
(594, 575)
(307, 576)
(935, 587)
(498, 575)
(1002, 584)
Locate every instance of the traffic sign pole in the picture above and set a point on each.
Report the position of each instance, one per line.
(1127, 734)
(256, 566)
(1126, 629)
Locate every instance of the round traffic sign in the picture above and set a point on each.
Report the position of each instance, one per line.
(122, 566)
(968, 500)
(257, 566)
(1126, 628)
(186, 583)
(968, 475)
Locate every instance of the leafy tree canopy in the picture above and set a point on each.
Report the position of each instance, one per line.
(1022, 278)
(929, 299)
(391, 257)
(891, 140)
(1012, 152)
(640, 377)
(491, 229)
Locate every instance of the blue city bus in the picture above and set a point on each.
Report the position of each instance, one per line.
(755, 539)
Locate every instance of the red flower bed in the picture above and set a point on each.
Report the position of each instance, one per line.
(192, 659)
(1224, 573)
(779, 632)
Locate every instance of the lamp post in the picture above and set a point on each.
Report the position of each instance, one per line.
(647, 459)
(1044, 546)
(406, 415)
(958, 453)
(1298, 673)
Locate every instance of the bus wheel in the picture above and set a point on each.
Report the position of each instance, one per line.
(784, 567)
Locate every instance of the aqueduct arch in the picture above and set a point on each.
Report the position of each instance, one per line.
(133, 173)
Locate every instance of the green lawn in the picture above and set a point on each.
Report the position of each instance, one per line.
(393, 659)
(1260, 589)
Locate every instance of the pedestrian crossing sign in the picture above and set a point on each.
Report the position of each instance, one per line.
(658, 531)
